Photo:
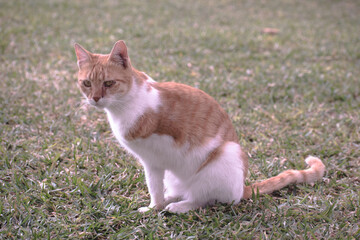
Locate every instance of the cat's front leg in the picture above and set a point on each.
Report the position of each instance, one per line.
(155, 182)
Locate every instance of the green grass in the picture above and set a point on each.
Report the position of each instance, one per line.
(296, 93)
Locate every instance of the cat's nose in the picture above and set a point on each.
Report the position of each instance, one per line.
(96, 99)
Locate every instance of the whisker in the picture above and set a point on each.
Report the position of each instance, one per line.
(81, 105)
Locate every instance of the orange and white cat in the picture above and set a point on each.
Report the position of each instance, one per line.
(183, 138)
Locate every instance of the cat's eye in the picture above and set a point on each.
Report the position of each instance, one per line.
(109, 83)
(86, 83)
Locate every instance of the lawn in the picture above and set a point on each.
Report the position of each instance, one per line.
(290, 93)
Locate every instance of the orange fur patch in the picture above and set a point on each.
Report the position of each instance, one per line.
(186, 114)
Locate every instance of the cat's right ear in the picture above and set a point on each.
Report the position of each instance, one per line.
(119, 54)
(83, 56)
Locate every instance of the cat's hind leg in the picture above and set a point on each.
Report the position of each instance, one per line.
(220, 180)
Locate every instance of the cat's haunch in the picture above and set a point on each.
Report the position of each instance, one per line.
(183, 138)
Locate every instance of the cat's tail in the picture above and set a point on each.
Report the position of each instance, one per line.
(310, 175)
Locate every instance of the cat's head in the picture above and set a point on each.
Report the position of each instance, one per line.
(104, 79)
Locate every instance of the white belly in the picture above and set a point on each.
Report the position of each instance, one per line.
(162, 152)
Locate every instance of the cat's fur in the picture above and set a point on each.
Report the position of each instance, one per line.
(183, 138)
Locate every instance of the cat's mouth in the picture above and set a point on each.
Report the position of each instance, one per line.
(98, 104)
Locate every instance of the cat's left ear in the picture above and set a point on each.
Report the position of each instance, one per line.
(119, 54)
(82, 55)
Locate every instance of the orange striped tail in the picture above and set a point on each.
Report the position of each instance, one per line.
(310, 175)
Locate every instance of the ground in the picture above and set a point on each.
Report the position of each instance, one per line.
(291, 91)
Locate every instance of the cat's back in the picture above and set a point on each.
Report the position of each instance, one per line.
(177, 94)
(189, 114)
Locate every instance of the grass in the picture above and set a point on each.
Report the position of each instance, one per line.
(291, 94)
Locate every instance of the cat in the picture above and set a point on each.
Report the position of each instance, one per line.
(183, 138)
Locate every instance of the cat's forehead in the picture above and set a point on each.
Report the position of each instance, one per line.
(99, 68)
(99, 59)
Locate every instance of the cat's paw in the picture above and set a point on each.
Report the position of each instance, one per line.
(151, 207)
(180, 207)
(169, 200)
(145, 209)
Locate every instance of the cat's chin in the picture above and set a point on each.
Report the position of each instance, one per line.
(98, 106)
